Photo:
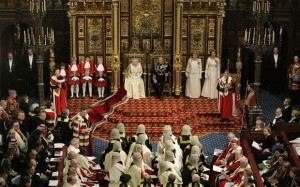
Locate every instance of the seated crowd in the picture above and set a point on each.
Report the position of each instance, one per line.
(28, 135)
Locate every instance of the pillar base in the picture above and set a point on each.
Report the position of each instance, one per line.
(254, 112)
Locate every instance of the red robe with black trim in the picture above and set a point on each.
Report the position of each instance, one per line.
(87, 71)
(100, 74)
(236, 177)
(59, 95)
(226, 102)
(80, 130)
(73, 74)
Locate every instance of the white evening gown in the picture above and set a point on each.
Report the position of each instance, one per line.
(212, 75)
(134, 84)
(193, 82)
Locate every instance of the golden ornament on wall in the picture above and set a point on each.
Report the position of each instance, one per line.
(168, 5)
(124, 6)
(211, 28)
(81, 47)
(109, 46)
(80, 28)
(168, 26)
(197, 35)
(210, 46)
(146, 16)
(94, 35)
(108, 26)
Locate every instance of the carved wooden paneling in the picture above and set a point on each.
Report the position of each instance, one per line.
(168, 5)
(210, 46)
(124, 6)
(80, 26)
(211, 27)
(168, 45)
(94, 35)
(81, 48)
(124, 26)
(109, 47)
(108, 27)
(184, 27)
(168, 22)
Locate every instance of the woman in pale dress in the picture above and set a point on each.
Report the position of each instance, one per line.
(134, 84)
(212, 75)
(194, 75)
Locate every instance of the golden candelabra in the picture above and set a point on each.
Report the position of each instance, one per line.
(259, 39)
(40, 40)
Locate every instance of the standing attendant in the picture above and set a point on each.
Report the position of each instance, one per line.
(74, 77)
(59, 96)
(160, 73)
(134, 84)
(9, 73)
(294, 80)
(87, 71)
(100, 77)
(212, 74)
(226, 88)
(194, 75)
(30, 66)
(275, 72)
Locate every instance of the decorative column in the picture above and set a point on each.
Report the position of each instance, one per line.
(72, 19)
(115, 64)
(177, 65)
(239, 66)
(52, 62)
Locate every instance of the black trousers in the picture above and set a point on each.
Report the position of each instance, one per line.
(159, 85)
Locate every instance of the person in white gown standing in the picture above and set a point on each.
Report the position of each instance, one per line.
(194, 75)
(212, 75)
(134, 84)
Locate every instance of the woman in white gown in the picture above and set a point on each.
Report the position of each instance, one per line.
(194, 75)
(134, 84)
(212, 75)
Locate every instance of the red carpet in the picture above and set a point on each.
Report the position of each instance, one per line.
(201, 114)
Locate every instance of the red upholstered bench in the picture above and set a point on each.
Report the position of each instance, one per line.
(60, 166)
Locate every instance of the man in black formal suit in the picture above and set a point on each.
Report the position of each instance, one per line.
(30, 68)
(287, 110)
(276, 71)
(278, 118)
(9, 73)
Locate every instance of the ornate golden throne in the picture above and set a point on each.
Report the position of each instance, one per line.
(135, 52)
(159, 52)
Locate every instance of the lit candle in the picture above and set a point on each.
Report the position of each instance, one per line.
(269, 37)
(280, 32)
(45, 5)
(45, 40)
(39, 39)
(254, 35)
(245, 37)
(42, 31)
(33, 40)
(258, 39)
(47, 32)
(249, 35)
(53, 35)
(31, 31)
(42, 7)
(24, 37)
(255, 8)
(273, 38)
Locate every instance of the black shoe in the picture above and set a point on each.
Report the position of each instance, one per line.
(223, 120)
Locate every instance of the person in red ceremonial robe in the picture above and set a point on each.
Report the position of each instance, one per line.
(59, 95)
(100, 77)
(51, 116)
(87, 71)
(12, 104)
(74, 77)
(227, 99)
(236, 176)
(81, 128)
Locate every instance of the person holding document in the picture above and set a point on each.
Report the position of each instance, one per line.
(266, 145)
